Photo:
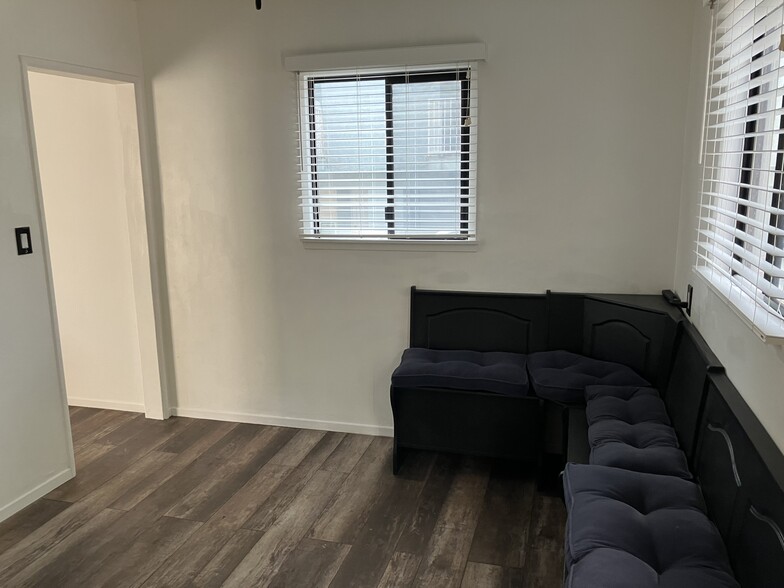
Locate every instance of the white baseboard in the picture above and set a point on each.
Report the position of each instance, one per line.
(39, 491)
(279, 421)
(108, 404)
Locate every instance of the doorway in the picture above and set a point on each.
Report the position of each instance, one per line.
(86, 145)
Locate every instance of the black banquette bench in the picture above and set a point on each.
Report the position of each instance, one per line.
(636, 331)
(670, 481)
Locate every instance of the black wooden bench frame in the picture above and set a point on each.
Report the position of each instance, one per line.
(733, 458)
(640, 330)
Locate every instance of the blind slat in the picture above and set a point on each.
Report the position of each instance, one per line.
(710, 209)
(750, 259)
(751, 275)
(720, 226)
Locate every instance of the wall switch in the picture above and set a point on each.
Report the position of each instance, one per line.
(23, 244)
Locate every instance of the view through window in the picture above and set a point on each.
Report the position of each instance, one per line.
(388, 155)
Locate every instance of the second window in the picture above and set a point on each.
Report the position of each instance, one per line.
(388, 155)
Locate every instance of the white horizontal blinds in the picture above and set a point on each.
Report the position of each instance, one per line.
(389, 154)
(740, 245)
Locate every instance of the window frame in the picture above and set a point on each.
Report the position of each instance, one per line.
(465, 74)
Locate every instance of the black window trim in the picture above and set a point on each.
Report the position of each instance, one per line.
(461, 74)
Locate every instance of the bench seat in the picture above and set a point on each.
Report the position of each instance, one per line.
(497, 372)
(562, 376)
(636, 529)
(469, 402)
(629, 428)
(629, 404)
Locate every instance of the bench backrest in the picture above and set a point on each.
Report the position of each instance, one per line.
(637, 337)
(594, 325)
(685, 393)
(478, 321)
(741, 473)
(637, 331)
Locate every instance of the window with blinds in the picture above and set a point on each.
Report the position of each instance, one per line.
(388, 154)
(740, 244)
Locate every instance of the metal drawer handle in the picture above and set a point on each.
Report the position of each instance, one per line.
(727, 439)
(770, 522)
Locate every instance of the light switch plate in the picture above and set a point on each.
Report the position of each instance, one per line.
(23, 244)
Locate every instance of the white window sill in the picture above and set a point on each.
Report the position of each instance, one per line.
(391, 245)
(767, 327)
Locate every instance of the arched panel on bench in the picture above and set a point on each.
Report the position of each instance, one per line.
(476, 321)
(620, 341)
(633, 336)
(490, 330)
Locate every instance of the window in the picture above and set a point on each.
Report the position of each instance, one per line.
(740, 245)
(388, 154)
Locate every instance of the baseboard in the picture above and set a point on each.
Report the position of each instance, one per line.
(263, 419)
(39, 491)
(108, 404)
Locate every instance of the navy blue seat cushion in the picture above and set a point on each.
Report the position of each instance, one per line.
(495, 371)
(640, 435)
(629, 404)
(668, 461)
(643, 447)
(562, 376)
(643, 530)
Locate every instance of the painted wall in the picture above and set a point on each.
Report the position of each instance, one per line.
(756, 368)
(582, 109)
(34, 436)
(82, 167)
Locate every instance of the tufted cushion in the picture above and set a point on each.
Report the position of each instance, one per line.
(629, 404)
(669, 461)
(628, 430)
(499, 372)
(562, 376)
(643, 530)
(640, 435)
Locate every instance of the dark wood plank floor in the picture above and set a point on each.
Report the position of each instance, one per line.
(187, 502)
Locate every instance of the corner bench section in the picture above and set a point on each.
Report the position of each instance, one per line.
(473, 422)
(736, 468)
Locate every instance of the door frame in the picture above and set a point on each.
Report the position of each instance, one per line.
(155, 389)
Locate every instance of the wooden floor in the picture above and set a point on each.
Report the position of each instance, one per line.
(187, 502)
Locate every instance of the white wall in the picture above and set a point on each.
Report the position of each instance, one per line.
(582, 109)
(756, 368)
(34, 437)
(81, 163)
